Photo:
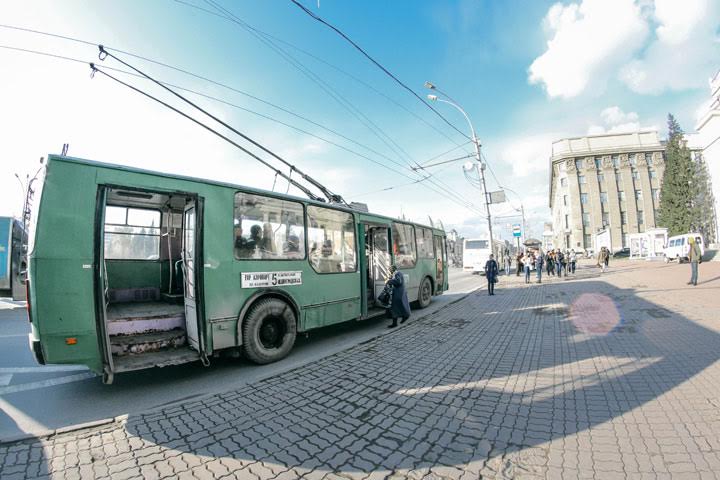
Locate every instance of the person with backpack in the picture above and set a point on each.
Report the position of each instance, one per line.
(560, 257)
(695, 257)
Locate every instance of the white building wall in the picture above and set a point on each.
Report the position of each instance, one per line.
(708, 139)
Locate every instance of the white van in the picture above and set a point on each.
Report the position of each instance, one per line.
(678, 247)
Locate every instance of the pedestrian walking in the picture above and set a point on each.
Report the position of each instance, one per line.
(602, 259)
(573, 261)
(695, 257)
(518, 264)
(539, 260)
(528, 267)
(561, 266)
(399, 305)
(491, 274)
(549, 262)
(508, 262)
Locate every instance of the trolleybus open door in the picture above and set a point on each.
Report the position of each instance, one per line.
(101, 286)
(191, 259)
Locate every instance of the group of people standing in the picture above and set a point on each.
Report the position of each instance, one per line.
(556, 262)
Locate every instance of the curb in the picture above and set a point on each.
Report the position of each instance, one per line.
(49, 434)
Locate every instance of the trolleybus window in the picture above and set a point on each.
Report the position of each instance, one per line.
(425, 243)
(268, 228)
(132, 233)
(404, 245)
(331, 239)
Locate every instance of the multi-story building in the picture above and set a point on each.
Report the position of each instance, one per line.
(602, 182)
(707, 142)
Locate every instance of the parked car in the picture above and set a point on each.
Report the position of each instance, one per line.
(678, 247)
(622, 253)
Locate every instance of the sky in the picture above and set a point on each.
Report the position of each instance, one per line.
(526, 74)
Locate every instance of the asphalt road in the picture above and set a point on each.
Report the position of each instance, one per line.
(36, 399)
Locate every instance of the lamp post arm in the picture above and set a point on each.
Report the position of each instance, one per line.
(472, 129)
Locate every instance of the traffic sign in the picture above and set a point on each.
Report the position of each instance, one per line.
(516, 230)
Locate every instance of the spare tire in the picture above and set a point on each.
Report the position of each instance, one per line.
(269, 331)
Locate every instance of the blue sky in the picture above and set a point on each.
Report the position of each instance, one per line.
(526, 73)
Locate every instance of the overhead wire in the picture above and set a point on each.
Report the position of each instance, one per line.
(330, 65)
(75, 60)
(441, 190)
(377, 64)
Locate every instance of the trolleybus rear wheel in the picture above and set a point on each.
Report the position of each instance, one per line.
(269, 331)
(424, 293)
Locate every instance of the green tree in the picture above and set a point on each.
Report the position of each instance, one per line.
(677, 211)
(704, 201)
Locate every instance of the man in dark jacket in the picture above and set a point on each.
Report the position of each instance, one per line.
(491, 274)
(399, 305)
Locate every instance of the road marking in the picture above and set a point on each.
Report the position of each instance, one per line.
(14, 335)
(5, 380)
(45, 369)
(23, 387)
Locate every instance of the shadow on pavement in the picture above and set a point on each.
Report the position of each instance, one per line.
(483, 378)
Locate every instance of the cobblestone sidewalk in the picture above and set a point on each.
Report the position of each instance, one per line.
(610, 376)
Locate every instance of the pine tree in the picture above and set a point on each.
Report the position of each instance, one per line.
(678, 192)
(704, 201)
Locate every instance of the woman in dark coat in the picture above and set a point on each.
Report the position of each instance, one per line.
(491, 274)
(399, 306)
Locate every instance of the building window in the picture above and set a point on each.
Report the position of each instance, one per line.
(624, 240)
(578, 163)
(633, 159)
(404, 245)
(581, 179)
(653, 173)
(615, 161)
(586, 219)
(565, 200)
(563, 182)
(132, 233)
(331, 237)
(603, 197)
(583, 198)
(621, 196)
(635, 174)
(623, 218)
(606, 219)
(567, 222)
(655, 194)
(587, 241)
(641, 217)
(598, 162)
(618, 178)
(268, 228)
(649, 158)
(638, 195)
(601, 177)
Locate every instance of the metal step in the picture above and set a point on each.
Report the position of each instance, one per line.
(147, 342)
(162, 358)
(136, 318)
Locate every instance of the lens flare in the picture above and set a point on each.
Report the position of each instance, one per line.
(594, 313)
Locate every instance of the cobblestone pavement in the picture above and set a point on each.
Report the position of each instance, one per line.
(600, 376)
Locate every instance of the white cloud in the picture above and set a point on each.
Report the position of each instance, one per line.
(528, 154)
(685, 50)
(587, 42)
(616, 121)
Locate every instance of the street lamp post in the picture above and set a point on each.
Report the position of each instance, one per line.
(476, 142)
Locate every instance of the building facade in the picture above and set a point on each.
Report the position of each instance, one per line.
(707, 142)
(605, 182)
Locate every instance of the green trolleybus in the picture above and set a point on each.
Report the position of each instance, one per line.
(131, 269)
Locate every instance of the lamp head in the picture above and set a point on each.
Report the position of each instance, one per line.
(432, 98)
(467, 166)
(429, 85)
